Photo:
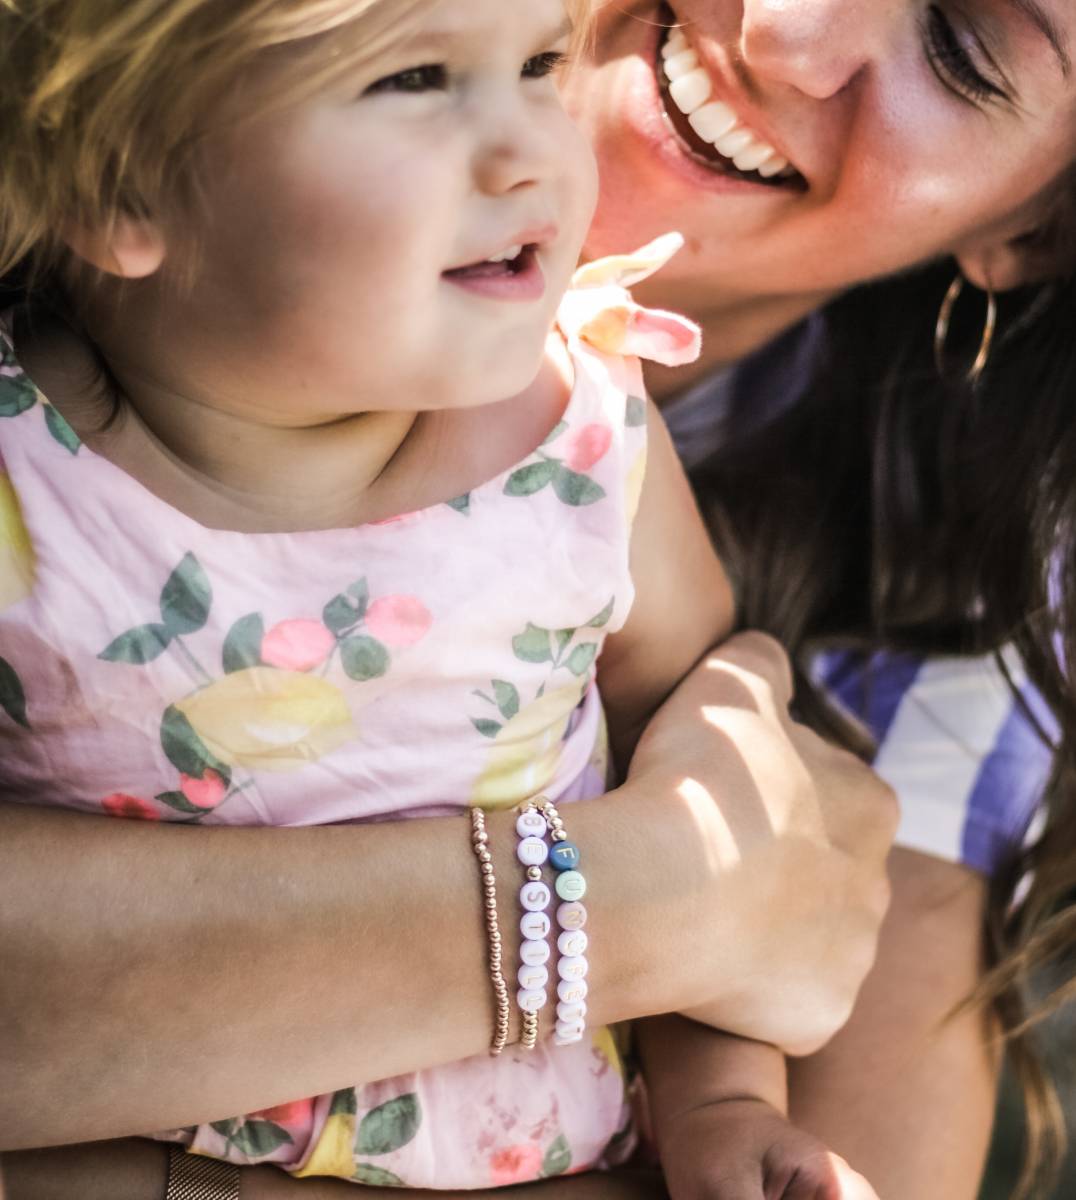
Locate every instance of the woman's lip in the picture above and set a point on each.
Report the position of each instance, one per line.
(524, 284)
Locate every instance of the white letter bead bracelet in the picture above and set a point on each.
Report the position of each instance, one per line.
(542, 842)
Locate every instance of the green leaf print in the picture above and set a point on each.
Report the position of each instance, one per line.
(635, 412)
(532, 645)
(259, 1138)
(528, 480)
(581, 658)
(12, 695)
(186, 597)
(225, 1128)
(140, 645)
(389, 1126)
(558, 1158)
(185, 749)
(555, 432)
(345, 611)
(243, 646)
(602, 619)
(61, 431)
(180, 803)
(575, 489)
(462, 504)
(364, 658)
(562, 637)
(376, 1176)
(17, 393)
(344, 1103)
(507, 698)
(488, 729)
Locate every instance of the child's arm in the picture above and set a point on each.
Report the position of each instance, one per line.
(719, 1106)
(683, 600)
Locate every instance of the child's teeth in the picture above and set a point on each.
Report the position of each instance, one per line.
(713, 120)
(681, 64)
(690, 91)
(507, 255)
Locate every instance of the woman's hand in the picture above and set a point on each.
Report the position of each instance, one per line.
(782, 839)
(136, 1170)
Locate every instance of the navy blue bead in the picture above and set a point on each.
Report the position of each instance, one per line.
(564, 856)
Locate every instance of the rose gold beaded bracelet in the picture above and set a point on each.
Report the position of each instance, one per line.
(480, 843)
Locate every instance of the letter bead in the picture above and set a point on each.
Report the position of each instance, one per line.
(571, 1012)
(564, 856)
(534, 953)
(568, 1032)
(572, 915)
(572, 943)
(532, 851)
(534, 926)
(572, 991)
(532, 978)
(531, 1000)
(572, 968)
(535, 897)
(571, 885)
(531, 824)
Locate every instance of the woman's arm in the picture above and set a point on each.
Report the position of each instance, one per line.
(135, 1170)
(180, 975)
(908, 1100)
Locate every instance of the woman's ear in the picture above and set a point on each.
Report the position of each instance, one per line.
(128, 247)
(1025, 251)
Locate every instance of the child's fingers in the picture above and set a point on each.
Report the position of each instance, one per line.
(826, 1177)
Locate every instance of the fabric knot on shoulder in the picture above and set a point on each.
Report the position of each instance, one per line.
(599, 310)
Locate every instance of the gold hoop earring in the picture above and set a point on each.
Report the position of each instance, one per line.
(941, 332)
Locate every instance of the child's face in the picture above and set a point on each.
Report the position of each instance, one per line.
(329, 269)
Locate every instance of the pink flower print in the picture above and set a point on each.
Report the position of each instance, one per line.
(587, 446)
(295, 1112)
(398, 620)
(120, 804)
(297, 645)
(206, 792)
(515, 1164)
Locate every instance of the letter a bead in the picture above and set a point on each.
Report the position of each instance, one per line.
(534, 897)
(571, 885)
(564, 856)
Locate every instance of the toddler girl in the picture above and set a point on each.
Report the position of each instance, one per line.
(307, 517)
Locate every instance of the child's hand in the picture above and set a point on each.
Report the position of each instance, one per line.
(747, 1150)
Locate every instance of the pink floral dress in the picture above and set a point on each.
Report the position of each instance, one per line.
(153, 668)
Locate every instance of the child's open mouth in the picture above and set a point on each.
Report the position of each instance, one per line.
(513, 274)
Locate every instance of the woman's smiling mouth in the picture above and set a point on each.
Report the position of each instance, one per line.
(711, 129)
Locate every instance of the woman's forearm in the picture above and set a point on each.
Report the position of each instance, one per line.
(135, 1170)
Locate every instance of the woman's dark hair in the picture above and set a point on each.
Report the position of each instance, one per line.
(890, 508)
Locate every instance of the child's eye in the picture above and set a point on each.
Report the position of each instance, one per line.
(544, 64)
(428, 78)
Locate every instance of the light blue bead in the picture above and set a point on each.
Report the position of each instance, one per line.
(564, 856)
(571, 885)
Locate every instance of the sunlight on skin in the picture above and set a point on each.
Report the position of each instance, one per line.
(715, 835)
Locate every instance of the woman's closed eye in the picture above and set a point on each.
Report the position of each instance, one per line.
(952, 60)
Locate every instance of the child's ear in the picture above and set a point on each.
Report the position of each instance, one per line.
(128, 247)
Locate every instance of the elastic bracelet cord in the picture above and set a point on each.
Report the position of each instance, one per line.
(502, 1008)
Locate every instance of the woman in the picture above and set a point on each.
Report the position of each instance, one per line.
(860, 100)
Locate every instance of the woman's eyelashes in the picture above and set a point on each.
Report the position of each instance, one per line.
(953, 63)
(436, 76)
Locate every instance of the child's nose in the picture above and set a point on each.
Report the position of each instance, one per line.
(517, 151)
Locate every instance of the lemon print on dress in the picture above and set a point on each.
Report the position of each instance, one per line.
(266, 719)
(16, 551)
(526, 751)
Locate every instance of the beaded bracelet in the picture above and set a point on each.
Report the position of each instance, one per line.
(572, 942)
(479, 841)
(534, 925)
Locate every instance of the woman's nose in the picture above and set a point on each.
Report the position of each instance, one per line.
(814, 46)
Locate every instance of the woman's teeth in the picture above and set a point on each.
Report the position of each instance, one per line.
(713, 120)
(507, 255)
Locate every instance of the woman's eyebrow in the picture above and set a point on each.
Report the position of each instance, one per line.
(1048, 27)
